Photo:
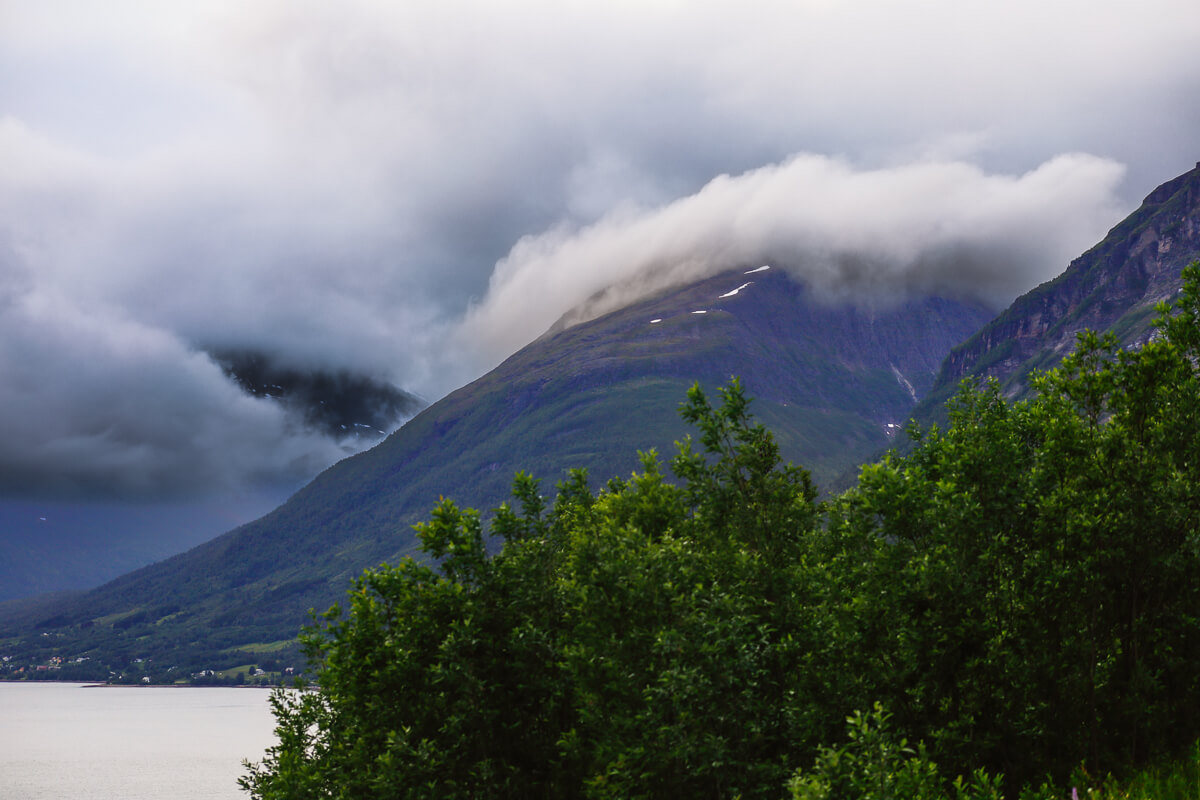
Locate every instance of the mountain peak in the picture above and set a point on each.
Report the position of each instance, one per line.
(1188, 180)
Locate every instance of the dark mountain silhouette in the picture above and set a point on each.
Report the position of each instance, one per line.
(338, 403)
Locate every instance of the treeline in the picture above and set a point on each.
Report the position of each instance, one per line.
(1018, 594)
(116, 651)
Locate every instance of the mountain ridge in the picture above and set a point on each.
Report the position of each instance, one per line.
(1113, 286)
(834, 383)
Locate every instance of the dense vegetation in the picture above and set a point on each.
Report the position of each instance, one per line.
(1016, 593)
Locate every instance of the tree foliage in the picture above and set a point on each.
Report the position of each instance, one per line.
(1030, 595)
(876, 764)
(1017, 591)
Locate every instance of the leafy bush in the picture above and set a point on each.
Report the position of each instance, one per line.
(877, 765)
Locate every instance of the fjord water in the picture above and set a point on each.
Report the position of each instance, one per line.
(128, 743)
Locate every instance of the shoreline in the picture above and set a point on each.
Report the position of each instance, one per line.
(166, 685)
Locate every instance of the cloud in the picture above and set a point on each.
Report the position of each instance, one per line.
(96, 405)
(388, 187)
(935, 227)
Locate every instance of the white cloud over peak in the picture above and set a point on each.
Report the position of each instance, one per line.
(943, 227)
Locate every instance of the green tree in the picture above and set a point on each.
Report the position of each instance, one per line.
(875, 764)
(1026, 575)
(644, 640)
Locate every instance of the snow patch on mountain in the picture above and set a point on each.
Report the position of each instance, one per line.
(904, 382)
(735, 291)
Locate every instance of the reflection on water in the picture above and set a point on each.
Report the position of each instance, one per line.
(128, 743)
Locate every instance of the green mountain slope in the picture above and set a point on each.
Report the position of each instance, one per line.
(1112, 287)
(834, 383)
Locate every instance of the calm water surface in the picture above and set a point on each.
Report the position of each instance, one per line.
(64, 740)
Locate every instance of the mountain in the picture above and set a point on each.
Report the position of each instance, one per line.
(1112, 287)
(834, 382)
(341, 404)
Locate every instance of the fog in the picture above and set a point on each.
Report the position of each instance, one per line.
(413, 191)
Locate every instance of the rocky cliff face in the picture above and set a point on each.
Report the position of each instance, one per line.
(1114, 286)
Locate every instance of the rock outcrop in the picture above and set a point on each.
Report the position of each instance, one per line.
(1112, 287)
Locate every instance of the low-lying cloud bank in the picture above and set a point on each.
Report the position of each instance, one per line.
(98, 405)
(932, 227)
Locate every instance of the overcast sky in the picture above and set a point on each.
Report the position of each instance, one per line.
(414, 190)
